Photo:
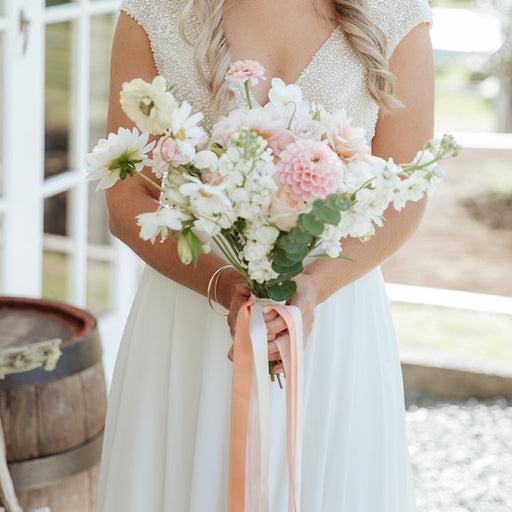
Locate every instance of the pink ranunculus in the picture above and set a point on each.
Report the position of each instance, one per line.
(285, 210)
(167, 152)
(348, 142)
(310, 170)
(243, 70)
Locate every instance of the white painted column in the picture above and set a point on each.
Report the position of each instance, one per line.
(23, 148)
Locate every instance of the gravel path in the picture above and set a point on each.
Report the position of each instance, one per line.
(461, 454)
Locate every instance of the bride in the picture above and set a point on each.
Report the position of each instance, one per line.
(167, 435)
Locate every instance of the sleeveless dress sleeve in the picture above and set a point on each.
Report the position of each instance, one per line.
(398, 17)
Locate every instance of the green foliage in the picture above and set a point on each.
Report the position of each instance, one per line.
(292, 248)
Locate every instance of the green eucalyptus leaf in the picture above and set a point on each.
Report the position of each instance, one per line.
(329, 215)
(281, 258)
(292, 269)
(312, 224)
(282, 291)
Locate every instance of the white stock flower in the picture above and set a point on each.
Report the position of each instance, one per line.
(330, 240)
(206, 160)
(261, 270)
(149, 106)
(411, 189)
(106, 157)
(425, 158)
(159, 222)
(210, 206)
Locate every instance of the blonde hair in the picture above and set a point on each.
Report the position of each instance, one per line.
(367, 40)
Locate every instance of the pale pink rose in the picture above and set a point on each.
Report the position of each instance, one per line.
(310, 170)
(167, 152)
(349, 142)
(274, 131)
(285, 210)
(243, 70)
(309, 129)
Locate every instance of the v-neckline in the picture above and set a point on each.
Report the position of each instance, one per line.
(313, 59)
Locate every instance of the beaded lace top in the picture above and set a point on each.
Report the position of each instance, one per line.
(334, 78)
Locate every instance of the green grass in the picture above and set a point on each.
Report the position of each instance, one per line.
(454, 332)
(56, 281)
(464, 105)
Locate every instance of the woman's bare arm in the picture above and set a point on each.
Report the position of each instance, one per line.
(399, 136)
(132, 58)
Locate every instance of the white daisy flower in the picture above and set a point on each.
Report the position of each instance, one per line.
(117, 156)
(184, 125)
(149, 106)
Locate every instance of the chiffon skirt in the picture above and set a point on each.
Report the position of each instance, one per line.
(166, 443)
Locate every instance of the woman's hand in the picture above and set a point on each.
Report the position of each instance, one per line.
(305, 300)
(240, 296)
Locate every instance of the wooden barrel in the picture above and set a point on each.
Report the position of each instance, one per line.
(53, 421)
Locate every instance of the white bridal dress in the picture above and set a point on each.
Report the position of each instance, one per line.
(167, 436)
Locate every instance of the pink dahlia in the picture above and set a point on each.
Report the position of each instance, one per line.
(243, 70)
(309, 170)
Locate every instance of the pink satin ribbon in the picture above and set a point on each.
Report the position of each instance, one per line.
(249, 446)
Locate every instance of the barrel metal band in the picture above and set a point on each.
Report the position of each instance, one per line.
(75, 358)
(45, 471)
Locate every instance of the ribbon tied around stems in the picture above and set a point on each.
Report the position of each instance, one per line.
(250, 407)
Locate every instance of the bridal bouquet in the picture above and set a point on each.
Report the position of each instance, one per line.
(270, 185)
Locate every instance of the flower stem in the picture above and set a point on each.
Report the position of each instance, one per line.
(247, 93)
(150, 181)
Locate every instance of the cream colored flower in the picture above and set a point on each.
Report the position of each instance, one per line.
(148, 105)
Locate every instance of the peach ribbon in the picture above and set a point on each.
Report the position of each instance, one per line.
(250, 408)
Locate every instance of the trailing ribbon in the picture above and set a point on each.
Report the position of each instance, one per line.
(250, 406)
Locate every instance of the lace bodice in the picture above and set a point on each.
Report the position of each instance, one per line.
(334, 78)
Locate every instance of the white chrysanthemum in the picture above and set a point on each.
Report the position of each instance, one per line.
(148, 105)
(159, 222)
(109, 154)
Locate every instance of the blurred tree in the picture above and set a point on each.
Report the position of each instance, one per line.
(501, 61)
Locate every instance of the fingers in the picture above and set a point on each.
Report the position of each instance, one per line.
(275, 324)
(273, 352)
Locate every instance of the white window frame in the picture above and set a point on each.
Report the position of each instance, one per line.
(24, 186)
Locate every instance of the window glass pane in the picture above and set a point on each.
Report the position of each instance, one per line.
(99, 280)
(56, 273)
(102, 30)
(99, 277)
(57, 97)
